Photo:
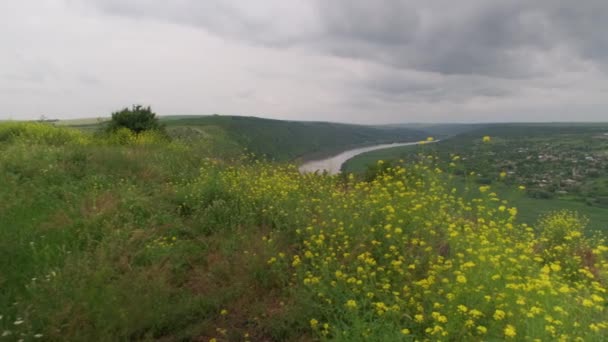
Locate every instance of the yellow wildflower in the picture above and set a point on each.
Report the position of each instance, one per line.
(499, 314)
(510, 331)
(351, 304)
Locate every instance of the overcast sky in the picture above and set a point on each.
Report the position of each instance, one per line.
(363, 61)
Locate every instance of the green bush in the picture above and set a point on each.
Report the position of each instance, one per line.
(137, 119)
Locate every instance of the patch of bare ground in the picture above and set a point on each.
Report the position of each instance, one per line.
(255, 299)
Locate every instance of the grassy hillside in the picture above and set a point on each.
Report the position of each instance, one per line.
(289, 140)
(542, 157)
(133, 237)
(278, 139)
(440, 131)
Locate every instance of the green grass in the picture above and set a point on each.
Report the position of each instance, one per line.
(136, 238)
(95, 243)
(530, 210)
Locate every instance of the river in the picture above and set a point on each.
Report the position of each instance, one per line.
(334, 164)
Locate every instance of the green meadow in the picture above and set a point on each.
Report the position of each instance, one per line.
(195, 235)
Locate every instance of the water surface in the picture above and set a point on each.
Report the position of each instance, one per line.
(334, 164)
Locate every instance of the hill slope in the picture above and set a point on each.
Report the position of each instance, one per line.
(135, 238)
(278, 140)
(561, 165)
(289, 140)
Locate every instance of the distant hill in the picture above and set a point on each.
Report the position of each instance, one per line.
(278, 140)
(288, 140)
(525, 130)
(440, 131)
(80, 122)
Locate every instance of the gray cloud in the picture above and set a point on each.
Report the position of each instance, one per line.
(275, 23)
(403, 86)
(492, 38)
(341, 60)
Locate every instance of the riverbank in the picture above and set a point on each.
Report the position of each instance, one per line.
(334, 164)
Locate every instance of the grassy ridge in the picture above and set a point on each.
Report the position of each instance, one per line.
(113, 238)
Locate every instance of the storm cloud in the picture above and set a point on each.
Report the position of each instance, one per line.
(340, 60)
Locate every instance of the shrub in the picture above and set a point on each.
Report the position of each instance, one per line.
(137, 119)
(561, 227)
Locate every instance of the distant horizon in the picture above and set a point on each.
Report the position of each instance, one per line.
(51, 118)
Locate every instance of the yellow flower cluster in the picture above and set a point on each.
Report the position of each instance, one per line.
(406, 255)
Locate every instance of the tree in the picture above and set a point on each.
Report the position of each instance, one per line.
(136, 119)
